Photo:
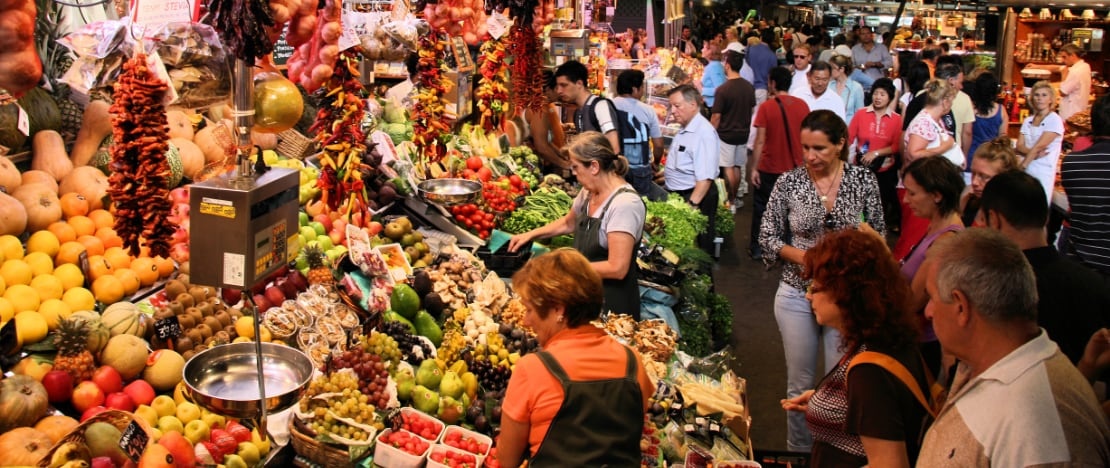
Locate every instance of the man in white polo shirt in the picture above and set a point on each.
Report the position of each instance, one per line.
(818, 95)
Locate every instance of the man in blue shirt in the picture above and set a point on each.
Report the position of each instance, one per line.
(691, 169)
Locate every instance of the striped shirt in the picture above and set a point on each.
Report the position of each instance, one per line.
(1086, 179)
(1031, 408)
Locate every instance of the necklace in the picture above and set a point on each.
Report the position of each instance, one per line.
(824, 194)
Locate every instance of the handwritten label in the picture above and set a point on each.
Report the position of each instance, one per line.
(133, 441)
(164, 11)
(498, 24)
(168, 328)
(282, 49)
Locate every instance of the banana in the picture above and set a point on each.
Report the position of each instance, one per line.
(70, 452)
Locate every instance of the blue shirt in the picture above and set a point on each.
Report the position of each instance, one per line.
(762, 59)
(693, 155)
(711, 78)
(852, 97)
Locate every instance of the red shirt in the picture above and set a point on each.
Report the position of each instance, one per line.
(776, 148)
(877, 131)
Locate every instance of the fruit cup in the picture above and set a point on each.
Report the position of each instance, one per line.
(421, 424)
(442, 456)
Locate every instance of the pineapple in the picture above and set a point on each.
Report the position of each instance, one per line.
(319, 272)
(73, 353)
(56, 60)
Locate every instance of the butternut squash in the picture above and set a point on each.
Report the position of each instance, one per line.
(89, 182)
(41, 204)
(13, 216)
(10, 178)
(48, 153)
(38, 176)
(96, 125)
(192, 158)
(181, 126)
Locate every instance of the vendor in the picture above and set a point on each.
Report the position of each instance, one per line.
(607, 219)
(1076, 88)
(401, 93)
(580, 401)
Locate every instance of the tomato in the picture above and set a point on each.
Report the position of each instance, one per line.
(470, 174)
(484, 174)
(515, 180)
(474, 163)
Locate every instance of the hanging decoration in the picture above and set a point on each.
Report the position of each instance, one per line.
(243, 26)
(526, 69)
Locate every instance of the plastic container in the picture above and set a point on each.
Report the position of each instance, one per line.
(503, 262)
(465, 433)
(444, 448)
(412, 412)
(388, 456)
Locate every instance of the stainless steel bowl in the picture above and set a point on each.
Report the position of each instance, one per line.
(449, 191)
(224, 379)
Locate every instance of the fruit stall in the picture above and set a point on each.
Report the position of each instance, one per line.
(172, 225)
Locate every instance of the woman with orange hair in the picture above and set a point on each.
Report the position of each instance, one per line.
(868, 416)
(580, 401)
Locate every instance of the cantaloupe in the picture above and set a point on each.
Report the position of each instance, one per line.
(122, 318)
(98, 332)
(192, 158)
(126, 354)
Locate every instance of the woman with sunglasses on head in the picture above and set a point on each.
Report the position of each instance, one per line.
(823, 195)
(607, 220)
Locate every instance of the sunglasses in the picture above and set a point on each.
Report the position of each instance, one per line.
(830, 223)
(801, 57)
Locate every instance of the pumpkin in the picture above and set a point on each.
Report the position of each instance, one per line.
(216, 141)
(22, 402)
(35, 176)
(96, 125)
(87, 181)
(48, 151)
(23, 446)
(42, 205)
(122, 318)
(181, 126)
(10, 179)
(13, 216)
(192, 158)
(56, 426)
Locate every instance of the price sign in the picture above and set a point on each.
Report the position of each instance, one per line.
(164, 11)
(168, 328)
(282, 49)
(133, 441)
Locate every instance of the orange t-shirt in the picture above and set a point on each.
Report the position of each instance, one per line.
(586, 353)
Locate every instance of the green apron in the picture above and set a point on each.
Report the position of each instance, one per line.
(599, 424)
(622, 296)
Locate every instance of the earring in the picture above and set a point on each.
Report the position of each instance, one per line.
(560, 319)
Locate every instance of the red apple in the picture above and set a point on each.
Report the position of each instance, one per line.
(108, 379)
(180, 195)
(59, 386)
(180, 448)
(140, 392)
(180, 253)
(224, 441)
(262, 303)
(120, 401)
(275, 295)
(87, 395)
(288, 288)
(357, 219)
(373, 228)
(231, 296)
(324, 219)
(298, 279)
(238, 431)
(95, 410)
(337, 237)
(213, 450)
(102, 462)
(339, 225)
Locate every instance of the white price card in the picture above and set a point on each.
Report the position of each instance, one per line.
(164, 11)
(498, 24)
(348, 39)
(23, 123)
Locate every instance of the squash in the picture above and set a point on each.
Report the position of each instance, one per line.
(56, 426)
(216, 140)
(48, 151)
(96, 125)
(42, 205)
(87, 181)
(22, 402)
(192, 158)
(10, 178)
(13, 216)
(35, 176)
(180, 124)
(23, 446)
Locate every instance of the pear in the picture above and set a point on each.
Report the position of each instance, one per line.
(451, 385)
(425, 400)
(429, 374)
(450, 410)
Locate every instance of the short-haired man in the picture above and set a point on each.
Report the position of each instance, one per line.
(1015, 399)
(870, 57)
(800, 64)
(1075, 91)
(1085, 175)
(1074, 301)
(570, 84)
(642, 165)
(777, 147)
(817, 95)
(929, 55)
(691, 169)
(732, 117)
(962, 110)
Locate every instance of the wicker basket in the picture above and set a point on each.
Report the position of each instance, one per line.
(292, 144)
(117, 418)
(315, 451)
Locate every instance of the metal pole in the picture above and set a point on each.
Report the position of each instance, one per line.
(243, 111)
(897, 17)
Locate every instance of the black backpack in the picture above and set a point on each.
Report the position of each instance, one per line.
(633, 134)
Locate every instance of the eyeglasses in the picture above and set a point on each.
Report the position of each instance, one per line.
(830, 222)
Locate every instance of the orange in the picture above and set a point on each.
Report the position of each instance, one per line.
(146, 269)
(118, 257)
(70, 275)
(23, 298)
(83, 225)
(16, 272)
(79, 299)
(93, 245)
(108, 289)
(63, 231)
(45, 242)
(102, 218)
(40, 263)
(54, 311)
(99, 266)
(74, 204)
(69, 253)
(30, 327)
(129, 279)
(48, 287)
(108, 236)
(165, 266)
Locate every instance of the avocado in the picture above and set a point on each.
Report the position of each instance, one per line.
(426, 326)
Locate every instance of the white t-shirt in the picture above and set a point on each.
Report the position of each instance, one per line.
(626, 213)
(800, 81)
(1044, 168)
(829, 100)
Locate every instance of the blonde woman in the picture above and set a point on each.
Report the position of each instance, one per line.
(991, 158)
(1042, 137)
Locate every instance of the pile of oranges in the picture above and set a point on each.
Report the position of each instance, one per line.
(70, 266)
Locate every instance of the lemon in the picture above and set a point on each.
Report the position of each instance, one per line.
(244, 326)
(44, 242)
(79, 299)
(54, 311)
(30, 327)
(23, 298)
(48, 287)
(11, 247)
(16, 272)
(70, 275)
(40, 263)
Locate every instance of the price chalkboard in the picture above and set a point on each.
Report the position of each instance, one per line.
(282, 49)
(167, 328)
(133, 441)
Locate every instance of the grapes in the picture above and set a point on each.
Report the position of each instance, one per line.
(373, 376)
(345, 402)
(413, 349)
(493, 378)
(382, 345)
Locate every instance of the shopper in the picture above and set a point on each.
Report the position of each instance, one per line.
(799, 65)
(817, 95)
(400, 94)
(806, 203)
(1013, 389)
(950, 68)
(637, 52)
(863, 414)
(580, 401)
(643, 164)
(777, 148)
(1076, 88)
(876, 133)
(991, 158)
(848, 89)
(872, 58)
(1085, 176)
(1073, 301)
(929, 54)
(915, 78)
(692, 160)
(731, 115)
(714, 73)
(545, 129)
(592, 114)
(606, 218)
(991, 119)
(933, 188)
(1042, 137)
(688, 44)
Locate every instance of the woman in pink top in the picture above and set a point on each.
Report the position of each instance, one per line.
(876, 133)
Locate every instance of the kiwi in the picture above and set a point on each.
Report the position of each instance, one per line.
(187, 321)
(205, 308)
(175, 306)
(183, 277)
(198, 317)
(174, 288)
(195, 334)
(223, 337)
(183, 342)
(183, 268)
(163, 313)
(205, 331)
(186, 300)
(213, 323)
(223, 317)
(199, 293)
(188, 354)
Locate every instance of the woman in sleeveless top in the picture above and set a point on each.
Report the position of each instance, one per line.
(991, 119)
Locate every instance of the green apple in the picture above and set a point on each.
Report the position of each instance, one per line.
(213, 420)
(197, 430)
(250, 453)
(164, 405)
(170, 423)
(319, 227)
(302, 262)
(235, 461)
(308, 232)
(187, 412)
(302, 218)
(324, 242)
(333, 254)
(148, 414)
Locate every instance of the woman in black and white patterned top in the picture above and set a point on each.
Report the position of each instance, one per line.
(824, 195)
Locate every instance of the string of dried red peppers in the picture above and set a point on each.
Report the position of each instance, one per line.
(526, 70)
(138, 184)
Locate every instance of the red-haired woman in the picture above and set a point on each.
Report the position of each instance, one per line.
(867, 417)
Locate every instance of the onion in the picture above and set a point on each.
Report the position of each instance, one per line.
(328, 54)
(330, 32)
(321, 73)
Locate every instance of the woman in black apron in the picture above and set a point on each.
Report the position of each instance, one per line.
(607, 220)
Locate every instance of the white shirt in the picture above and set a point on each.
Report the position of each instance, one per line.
(800, 80)
(1076, 89)
(1044, 168)
(829, 100)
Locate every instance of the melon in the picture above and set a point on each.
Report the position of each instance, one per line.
(103, 158)
(127, 354)
(122, 318)
(98, 332)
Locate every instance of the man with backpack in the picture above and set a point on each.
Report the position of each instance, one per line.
(732, 117)
(570, 84)
(641, 138)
